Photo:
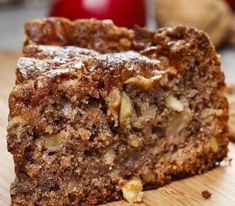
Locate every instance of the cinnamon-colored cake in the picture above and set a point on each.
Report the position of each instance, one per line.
(99, 112)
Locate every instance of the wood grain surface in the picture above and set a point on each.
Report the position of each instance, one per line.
(220, 181)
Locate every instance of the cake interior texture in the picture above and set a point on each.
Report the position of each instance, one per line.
(99, 112)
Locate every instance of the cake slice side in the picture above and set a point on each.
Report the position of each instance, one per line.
(85, 133)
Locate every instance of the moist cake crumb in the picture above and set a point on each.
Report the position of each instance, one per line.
(101, 113)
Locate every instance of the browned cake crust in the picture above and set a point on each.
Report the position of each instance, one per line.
(98, 112)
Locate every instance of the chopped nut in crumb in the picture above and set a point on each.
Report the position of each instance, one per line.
(115, 175)
(54, 141)
(173, 103)
(113, 100)
(49, 129)
(134, 140)
(17, 120)
(125, 109)
(144, 82)
(214, 144)
(140, 81)
(148, 175)
(132, 190)
(109, 157)
(177, 122)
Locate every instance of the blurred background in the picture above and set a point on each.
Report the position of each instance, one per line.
(216, 17)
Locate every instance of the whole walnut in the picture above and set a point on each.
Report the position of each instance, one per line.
(212, 16)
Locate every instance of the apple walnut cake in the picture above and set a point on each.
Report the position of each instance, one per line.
(101, 112)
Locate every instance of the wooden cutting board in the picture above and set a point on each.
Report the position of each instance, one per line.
(220, 181)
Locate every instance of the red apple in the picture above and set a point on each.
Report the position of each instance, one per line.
(123, 12)
(231, 3)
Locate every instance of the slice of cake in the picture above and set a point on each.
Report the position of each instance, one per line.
(99, 112)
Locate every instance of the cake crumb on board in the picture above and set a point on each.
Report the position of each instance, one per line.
(206, 194)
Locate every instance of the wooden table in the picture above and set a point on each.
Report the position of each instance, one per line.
(220, 181)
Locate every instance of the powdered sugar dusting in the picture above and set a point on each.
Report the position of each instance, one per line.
(56, 60)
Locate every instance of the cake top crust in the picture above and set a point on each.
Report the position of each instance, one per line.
(104, 36)
(57, 44)
(73, 59)
(87, 54)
